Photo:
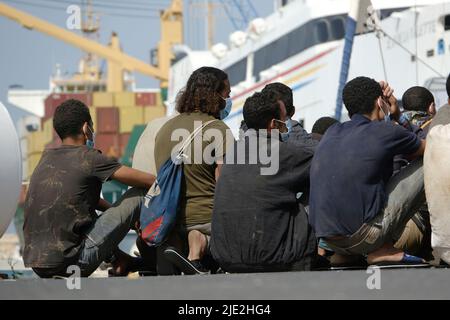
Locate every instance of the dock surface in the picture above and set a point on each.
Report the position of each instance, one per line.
(393, 284)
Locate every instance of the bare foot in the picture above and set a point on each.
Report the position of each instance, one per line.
(321, 252)
(386, 253)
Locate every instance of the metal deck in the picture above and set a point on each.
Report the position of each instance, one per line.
(394, 284)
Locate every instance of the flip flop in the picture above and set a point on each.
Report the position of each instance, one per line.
(408, 261)
(181, 262)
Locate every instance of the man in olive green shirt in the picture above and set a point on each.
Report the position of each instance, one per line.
(202, 103)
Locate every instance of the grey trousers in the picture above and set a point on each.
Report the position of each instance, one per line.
(406, 194)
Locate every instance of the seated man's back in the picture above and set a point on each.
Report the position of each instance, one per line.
(257, 223)
(351, 166)
(64, 192)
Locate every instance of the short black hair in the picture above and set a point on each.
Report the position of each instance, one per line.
(284, 94)
(447, 86)
(322, 125)
(70, 117)
(260, 109)
(360, 94)
(417, 99)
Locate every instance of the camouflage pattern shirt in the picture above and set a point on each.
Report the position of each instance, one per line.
(60, 205)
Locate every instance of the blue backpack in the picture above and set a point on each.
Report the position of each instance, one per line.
(160, 208)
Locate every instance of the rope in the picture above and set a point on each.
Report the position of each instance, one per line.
(380, 32)
(382, 58)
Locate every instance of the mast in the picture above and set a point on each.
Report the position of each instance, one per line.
(355, 24)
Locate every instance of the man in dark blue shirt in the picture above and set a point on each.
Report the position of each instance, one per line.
(354, 203)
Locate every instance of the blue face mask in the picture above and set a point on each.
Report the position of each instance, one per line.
(226, 111)
(91, 143)
(289, 125)
(285, 135)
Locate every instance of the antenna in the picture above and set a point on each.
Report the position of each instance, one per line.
(240, 12)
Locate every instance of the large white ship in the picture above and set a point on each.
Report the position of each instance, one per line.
(302, 45)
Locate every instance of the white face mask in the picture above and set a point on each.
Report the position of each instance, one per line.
(387, 116)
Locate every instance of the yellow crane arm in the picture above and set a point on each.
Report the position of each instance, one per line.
(110, 53)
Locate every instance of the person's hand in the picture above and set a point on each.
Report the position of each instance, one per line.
(137, 228)
(388, 95)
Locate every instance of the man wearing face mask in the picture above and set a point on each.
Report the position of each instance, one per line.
(263, 228)
(61, 225)
(204, 100)
(355, 205)
(296, 133)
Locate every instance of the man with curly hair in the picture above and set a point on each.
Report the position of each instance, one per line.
(356, 204)
(205, 100)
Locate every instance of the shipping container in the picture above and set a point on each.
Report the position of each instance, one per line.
(51, 103)
(151, 113)
(36, 142)
(107, 120)
(47, 128)
(124, 99)
(129, 117)
(86, 98)
(55, 99)
(127, 156)
(103, 99)
(93, 112)
(144, 99)
(124, 138)
(32, 161)
(108, 144)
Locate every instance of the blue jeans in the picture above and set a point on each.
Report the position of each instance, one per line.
(103, 238)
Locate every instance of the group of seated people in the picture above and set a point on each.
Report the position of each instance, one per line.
(348, 193)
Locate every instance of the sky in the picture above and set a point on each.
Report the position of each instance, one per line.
(28, 58)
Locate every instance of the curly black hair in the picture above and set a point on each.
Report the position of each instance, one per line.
(322, 125)
(284, 94)
(260, 109)
(202, 92)
(417, 99)
(359, 95)
(70, 117)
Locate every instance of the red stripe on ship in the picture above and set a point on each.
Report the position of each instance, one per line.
(299, 66)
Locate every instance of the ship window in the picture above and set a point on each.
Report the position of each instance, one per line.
(322, 31)
(298, 40)
(447, 22)
(237, 72)
(338, 28)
